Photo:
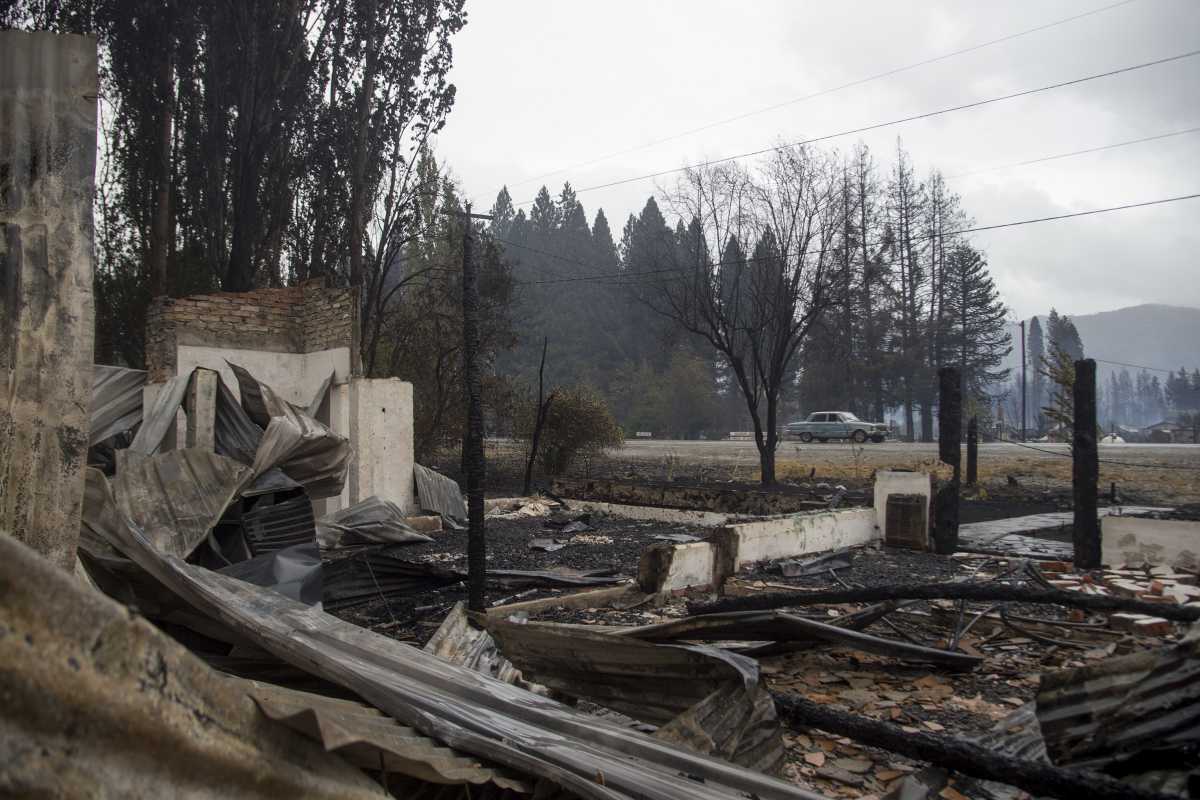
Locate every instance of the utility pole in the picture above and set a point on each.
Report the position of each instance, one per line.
(1023, 417)
(473, 458)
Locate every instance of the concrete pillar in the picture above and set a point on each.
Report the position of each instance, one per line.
(201, 406)
(381, 433)
(47, 160)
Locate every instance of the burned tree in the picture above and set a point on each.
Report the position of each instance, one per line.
(756, 311)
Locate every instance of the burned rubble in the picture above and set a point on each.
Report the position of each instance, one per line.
(861, 670)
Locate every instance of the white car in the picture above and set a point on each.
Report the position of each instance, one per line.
(826, 425)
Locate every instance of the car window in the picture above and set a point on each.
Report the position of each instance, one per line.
(848, 417)
(822, 418)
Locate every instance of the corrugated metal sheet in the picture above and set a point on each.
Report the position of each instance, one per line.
(438, 494)
(160, 416)
(371, 520)
(271, 527)
(178, 496)
(116, 401)
(457, 641)
(737, 724)
(650, 682)
(307, 451)
(372, 740)
(461, 708)
(1094, 715)
(98, 703)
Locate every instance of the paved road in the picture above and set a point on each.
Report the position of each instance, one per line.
(745, 452)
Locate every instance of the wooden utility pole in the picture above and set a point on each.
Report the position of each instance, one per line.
(1085, 472)
(1023, 359)
(473, 458)
(972, 450)
(945, 535)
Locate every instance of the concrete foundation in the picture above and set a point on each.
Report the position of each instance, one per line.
(1139, 540)
(666, 567)
(889, 482)
(799, 534)
(48, 93)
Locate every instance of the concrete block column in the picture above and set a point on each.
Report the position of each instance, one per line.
(201, 403)
(380, 416)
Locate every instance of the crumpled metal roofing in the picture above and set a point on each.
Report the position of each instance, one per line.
(160, 417)
(1109, 711)
(370, 520)
(178, 496)
(116, 401)
(96, 702)
(650, 682)
(533, 735)
(458, 642)
(438, 494)
(370, 739)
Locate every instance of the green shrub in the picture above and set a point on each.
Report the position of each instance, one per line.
(578, 425)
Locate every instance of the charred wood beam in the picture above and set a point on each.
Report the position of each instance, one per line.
(1038, 778)
(982, 592)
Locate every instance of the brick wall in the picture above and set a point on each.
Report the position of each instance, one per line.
(295, 319)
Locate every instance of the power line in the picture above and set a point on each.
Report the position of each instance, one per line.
(823, 92)
(889, 123)
(1075, 153)
(1102, 460)
(960, 232)
(1135, 366)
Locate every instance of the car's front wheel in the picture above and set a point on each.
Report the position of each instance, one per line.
(859, 436)
(806, 437)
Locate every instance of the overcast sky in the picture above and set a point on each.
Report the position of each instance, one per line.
(544, 87)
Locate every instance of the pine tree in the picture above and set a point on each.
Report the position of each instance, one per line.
(502, 214)
(977, 335)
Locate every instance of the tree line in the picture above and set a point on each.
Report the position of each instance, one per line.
(809, 280)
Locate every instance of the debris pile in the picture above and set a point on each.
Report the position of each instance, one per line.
(855, 673)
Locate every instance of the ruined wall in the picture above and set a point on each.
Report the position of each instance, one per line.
(47, 161)
(298, 319)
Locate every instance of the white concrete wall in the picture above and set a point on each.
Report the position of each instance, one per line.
(799, 534)
(381, 432)
(889, 482)
(1137, 540)
(295, 377)
(691, 565)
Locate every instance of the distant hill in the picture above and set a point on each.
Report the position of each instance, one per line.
(1151, 334)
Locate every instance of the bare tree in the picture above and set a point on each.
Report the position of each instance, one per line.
(757, 310)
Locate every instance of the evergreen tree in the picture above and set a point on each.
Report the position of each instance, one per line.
(503, 214)
(977, 335)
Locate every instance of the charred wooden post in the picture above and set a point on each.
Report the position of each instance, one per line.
(473, 457)
(945, 535)
(1085, 472)
(973, 451)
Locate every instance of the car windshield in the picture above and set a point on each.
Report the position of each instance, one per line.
(848, 417)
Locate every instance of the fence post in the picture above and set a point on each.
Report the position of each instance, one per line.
(1085, 472)
(945, 535)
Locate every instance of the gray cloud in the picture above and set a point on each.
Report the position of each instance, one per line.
(546, 85)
